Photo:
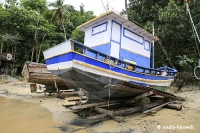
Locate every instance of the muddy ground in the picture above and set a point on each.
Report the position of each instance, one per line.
(22, 112)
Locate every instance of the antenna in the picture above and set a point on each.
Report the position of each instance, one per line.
(107, 5)
(104, 6)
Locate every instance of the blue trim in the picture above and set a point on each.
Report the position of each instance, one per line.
(132, 38)
(105, 48)
(74, 56)
(111, 40)
(145, 45)
(100, 31)
(139, 59)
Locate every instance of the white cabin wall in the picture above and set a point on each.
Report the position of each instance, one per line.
(100, 38)
(138, 51)
(134, 46)
(61, 48)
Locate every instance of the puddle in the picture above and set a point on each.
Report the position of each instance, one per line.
(22, 117)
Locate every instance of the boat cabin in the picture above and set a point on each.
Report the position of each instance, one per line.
(114, 35)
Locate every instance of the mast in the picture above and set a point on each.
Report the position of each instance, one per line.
(153, 47)
(126, 8)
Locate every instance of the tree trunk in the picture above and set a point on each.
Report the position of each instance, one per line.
(39, 51)
(1, 48)
(14, 51)
(35, 43)
(7, 48)
(64, 31)
(32, 53)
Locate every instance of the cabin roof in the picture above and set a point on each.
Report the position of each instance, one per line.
(112, 15)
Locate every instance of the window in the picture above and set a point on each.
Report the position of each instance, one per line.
(147, 45)
(133, 36)
(99, 28)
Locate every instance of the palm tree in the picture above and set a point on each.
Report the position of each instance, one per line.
(59, 13)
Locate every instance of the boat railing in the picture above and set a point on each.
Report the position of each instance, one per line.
(78, 47)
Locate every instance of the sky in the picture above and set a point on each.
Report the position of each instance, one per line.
(96, 5)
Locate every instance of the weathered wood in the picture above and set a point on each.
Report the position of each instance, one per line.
(147, 111)
(38, 73)
(154, 104)
(132, 100)
(97, 117)
(109, 113)
(77, 99)
(80, 107)
(144, 95)
(127, 111)
(124, 111)
(69, 93)
(103, 111)
(174, 106)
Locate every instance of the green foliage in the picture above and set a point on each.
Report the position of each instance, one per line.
(172, 26)
(29, 28)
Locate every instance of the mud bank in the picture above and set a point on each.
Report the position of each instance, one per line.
(43, 113)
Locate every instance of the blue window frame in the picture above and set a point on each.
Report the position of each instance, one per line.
(133, 36)
(147, 45)
(99, 28)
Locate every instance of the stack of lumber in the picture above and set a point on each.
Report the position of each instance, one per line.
(38, 73)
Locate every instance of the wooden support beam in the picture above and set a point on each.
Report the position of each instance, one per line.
(127, 111)
(76, 99)
(80, 107)
(174, 106)
(144, 95)
(97, 117)
(69, 93)
(109, 113)
(147, 111)
(124, 111)
(104, 111)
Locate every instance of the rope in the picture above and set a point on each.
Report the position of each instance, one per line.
(169, 59)
(196, 38)
(194, 32)
(109, 63)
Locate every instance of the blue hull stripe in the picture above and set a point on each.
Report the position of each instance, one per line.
(74, 56)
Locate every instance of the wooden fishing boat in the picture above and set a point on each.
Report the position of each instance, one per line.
(115, 55)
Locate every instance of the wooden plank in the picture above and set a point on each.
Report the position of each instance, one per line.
(104, 111)
(127, 111)
(124, 111)
(97, 117)
(80, 107)
(109, 113)
(144, 95)
(174, 106)
(156, 107)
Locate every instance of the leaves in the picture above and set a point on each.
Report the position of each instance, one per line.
(30, 29)
(172, 26)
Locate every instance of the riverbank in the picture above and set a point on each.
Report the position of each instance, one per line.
(23, 111)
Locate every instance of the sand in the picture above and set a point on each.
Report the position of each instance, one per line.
(22, 111)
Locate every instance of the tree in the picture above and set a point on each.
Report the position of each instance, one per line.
(59, 13)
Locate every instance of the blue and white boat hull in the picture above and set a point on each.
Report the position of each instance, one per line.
(100, 78)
